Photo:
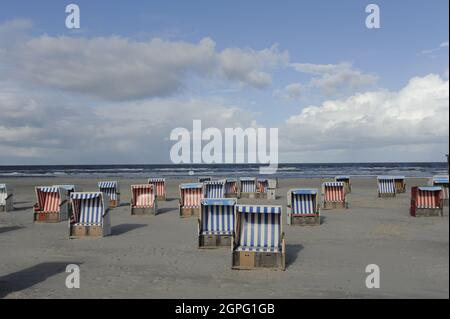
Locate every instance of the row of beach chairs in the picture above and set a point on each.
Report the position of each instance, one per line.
(254, 232)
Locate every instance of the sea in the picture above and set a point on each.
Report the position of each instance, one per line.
(285, 170)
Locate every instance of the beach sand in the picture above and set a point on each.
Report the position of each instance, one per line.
(157, 256)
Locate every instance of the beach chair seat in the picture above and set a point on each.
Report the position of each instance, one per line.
(90, 217)
(333, 195)
(426, 201)
(191, 195)
(259, 241)
(160, 187)
(143, 200)
(6, 198)
(303, 207)
(51, 205)
(112, 192)
(400, 184)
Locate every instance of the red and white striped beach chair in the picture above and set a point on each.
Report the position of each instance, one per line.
(52, 204)
(333, 195)
(160, 187)
(191, 195)
(426, 201)
(143, 200)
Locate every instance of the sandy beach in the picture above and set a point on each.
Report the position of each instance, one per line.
(157, 256)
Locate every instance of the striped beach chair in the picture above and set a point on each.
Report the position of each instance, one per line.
(216, 223)
(347, 182)
(303, 207)
(143, 200)
(442, 181)
(191, 195)
(111, 190)
(159, 186)
(386, 186)
(259, 240)
(400, 184)
(70, 188)
(231, 188)
(214, 189)
(247, 187)
(426, 201)
(333, 195)
(6, 198)
(52, 204)
(265, 188)
(90, 217)
(203, 179)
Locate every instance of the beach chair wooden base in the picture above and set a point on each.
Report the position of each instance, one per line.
(231, 195)
(428, 212)
(43, 217)
(248, 260)
(189, 212)
(214, 241)
(386, 195)
(335, 205)
(304, 220)
(113, 203)
(80, 231)
(143, 211)
(249, 195)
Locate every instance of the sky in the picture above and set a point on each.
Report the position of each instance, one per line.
(112, 91)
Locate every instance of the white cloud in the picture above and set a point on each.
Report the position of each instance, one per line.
(116, 68)
(434, 51)
(335, 78)
(414, 117)
(291, 91)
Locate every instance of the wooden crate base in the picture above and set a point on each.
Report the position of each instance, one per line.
(143, 211)
(335, 205)
(214, 241)
(86, 231)
(390, 195)
(305, 220)
(47, 217)
(189, 212)
(247, 260)
(429, 212)
(248, 195)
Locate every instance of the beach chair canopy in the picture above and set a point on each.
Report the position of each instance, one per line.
(191, 195)
(334, 191)
(50, 198)
(428, 197)
(214, 189)
(88, 208)
(230, 185)
(440, 179)
(160, 185)
(142, 196)
(262, 185)
(258, 228)
(110, 188)
(248, 184)
(303, 201)
(3, 194)
(217, 217)
(386, 184)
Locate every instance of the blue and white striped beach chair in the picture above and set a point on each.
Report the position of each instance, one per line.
(247, 187)
(90, 217)
(259, 241)
(303, 207)
(386, 186)
(216, 223)
(214, 189)
(111, 190)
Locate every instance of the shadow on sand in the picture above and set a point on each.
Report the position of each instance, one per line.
(292, 252)
(29, 277)
(9, 228)
(125, 228)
